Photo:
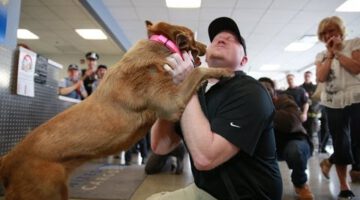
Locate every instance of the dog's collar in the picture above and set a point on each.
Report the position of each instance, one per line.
(166, 42)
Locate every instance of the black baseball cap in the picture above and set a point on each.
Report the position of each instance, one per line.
(92, 56)
(73, 67)
(225, 24)
(102, 67)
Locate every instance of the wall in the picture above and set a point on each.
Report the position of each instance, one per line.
(20, 114)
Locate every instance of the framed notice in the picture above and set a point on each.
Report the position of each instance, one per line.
(26, 70)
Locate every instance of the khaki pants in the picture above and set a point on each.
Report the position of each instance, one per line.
(191, 192)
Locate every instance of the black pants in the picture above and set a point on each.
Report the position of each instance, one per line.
(324, 132)
(344, 126)
(139, 146)
(156, 163)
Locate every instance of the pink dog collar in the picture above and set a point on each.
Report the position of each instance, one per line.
(168, 43)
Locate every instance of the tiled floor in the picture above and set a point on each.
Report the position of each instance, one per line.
(323, 189)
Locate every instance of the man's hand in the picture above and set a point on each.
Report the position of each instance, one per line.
(89, 72)
(78, 85)
(179, 68)
(303, 117)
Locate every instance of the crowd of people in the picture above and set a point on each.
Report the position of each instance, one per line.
(236, 130)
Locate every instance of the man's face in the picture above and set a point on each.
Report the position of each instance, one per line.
(91, 63)
(290, 81)
(307, 77)
(101, 72)
(225, 51)
(73, 74)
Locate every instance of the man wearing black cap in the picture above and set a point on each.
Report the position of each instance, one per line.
(227, 127)
(71, 86)
(89, 76)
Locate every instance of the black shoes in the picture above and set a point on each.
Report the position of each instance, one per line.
(346, 194)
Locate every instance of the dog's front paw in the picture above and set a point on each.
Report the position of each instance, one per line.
(227, 73)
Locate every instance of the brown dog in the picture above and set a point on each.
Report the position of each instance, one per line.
(134, 93)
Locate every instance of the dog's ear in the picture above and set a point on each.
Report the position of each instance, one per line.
(182, 42)
(149, 25)
(201, 48)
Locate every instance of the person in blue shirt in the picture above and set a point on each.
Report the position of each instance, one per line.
(72, 86)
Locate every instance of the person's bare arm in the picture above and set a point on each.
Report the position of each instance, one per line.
(323, 69)
(304, 113)
(163, 137)
(67, 90)
(207, 148)
(351, 64)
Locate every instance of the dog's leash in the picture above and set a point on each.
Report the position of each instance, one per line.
(166, 42)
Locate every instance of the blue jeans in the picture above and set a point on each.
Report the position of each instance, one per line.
(296, 154)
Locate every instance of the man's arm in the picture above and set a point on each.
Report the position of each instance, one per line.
(207, 149)
(67, 90)
(163, 137)
(304, 113)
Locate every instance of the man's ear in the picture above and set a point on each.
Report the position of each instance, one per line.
(244, 61)
(182, 42)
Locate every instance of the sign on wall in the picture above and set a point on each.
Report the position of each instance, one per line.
(26, 70)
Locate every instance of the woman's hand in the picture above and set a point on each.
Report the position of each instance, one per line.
(179, 68)
(333, 45)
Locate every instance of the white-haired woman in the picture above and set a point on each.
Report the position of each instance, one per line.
(339, 68)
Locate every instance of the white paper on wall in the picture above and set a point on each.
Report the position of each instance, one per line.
(26, 69)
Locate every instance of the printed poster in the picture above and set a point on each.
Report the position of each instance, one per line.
(26, 71)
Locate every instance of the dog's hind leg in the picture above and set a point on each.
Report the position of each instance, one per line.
(40, 180)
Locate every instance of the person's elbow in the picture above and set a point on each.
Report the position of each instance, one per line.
(321, 79)
(204, 163)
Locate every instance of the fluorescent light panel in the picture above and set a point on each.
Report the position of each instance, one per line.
(26, 35)
(269, 67)
(303, 44)
(349, 6)
(91, 34)
(183, 3)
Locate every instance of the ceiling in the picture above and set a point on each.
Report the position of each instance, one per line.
(267, 25)
(54, 22)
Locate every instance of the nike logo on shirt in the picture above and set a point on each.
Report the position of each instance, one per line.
(234, 125)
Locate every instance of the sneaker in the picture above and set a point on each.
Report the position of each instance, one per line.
(346, 194)
(304, 192)
(325, 167)
(179, 166)
(355, 176)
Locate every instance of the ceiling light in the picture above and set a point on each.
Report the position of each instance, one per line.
(183, 3)
(303, 44)
(349, 6)
(91, 34)
(269, 67)
(26, 35)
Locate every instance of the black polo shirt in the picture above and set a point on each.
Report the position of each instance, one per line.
(240, 110)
